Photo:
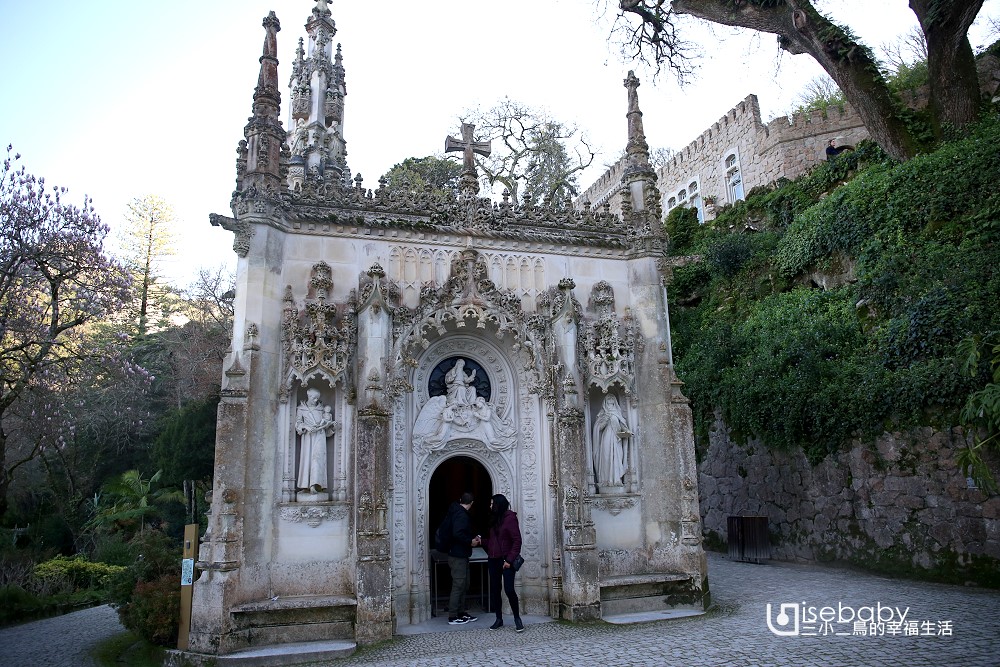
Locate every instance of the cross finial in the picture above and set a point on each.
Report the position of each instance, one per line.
(468, 146)
(632, 83)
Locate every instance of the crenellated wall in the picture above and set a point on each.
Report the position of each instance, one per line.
(785, 147)
(605, 188)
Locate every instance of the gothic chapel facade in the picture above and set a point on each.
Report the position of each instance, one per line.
(393, 349)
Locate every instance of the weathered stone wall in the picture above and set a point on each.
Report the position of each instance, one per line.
(605, 188)
(899, 504)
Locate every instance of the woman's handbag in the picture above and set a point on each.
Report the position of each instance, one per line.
(516, 565)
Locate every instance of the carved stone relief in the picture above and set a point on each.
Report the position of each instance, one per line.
(411, 268)
(461, 413)
(514, 470)
(615, 505)
(314, 515)
(318, 340)
(608, 345)
(522, 274)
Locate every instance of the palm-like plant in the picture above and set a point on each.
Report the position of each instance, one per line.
(133, 500)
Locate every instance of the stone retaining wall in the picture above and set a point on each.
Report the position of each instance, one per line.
(899, 505)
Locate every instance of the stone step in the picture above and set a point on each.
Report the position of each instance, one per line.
(298, 653)
(650, 592)
(289, 654)
(293, 619)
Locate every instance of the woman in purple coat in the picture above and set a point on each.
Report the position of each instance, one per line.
(503, 546)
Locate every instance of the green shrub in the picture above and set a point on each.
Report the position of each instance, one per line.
(153, 610)
(728, 256)
(113, 549)
(147, 593)
(55, 586)
(77, 572)
(17, 604)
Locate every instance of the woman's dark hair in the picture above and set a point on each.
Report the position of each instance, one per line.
(500, 507)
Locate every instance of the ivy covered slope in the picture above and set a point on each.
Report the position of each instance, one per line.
(834, 306)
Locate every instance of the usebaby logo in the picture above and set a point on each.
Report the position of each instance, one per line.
(788, 613)
(792, 619)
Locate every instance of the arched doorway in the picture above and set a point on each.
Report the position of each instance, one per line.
(453, 477)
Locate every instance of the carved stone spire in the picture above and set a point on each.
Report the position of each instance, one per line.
(322, 10)
(260, 157)
(318, 88)
(637, 149)
(640, 195)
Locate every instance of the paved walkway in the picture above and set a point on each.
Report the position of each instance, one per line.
(736, 632)
(62, 641)
(943, 626)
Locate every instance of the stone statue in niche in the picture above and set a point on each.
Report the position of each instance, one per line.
(460, 389)
(314, 423)
(460, 413)
(610, 436)
(300, 136)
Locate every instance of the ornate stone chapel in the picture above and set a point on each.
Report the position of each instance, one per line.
(394, 348)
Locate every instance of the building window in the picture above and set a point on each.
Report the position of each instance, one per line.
(694, 201)
(671, 203)
(734, 181)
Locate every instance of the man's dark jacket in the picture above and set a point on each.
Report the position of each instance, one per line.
(461, 531)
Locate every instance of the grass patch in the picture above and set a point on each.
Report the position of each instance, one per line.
(128, 648)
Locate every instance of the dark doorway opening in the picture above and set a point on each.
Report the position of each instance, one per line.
(453, 477)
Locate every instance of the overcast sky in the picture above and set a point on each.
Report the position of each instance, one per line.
(118, 99)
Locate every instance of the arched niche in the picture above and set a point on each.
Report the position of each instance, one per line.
(487, 355)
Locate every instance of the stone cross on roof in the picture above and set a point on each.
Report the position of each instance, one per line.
(468, 146)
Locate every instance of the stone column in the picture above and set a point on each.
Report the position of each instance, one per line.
(581, 593)
(243, 492)
(670, 514)
(221, 551)
(373, 483)
(374, 620)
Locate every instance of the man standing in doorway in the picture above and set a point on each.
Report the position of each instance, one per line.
(459, 550)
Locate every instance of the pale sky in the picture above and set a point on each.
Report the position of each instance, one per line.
(117, 99)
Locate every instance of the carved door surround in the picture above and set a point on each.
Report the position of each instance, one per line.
(499, 465)
(514, 471)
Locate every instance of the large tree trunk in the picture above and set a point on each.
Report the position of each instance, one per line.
(951, 63)
(4, 473)
(802, 29)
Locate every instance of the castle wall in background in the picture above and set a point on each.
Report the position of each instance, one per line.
(738, 153)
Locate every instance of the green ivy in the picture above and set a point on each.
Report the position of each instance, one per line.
(682, 228)
(914, 250)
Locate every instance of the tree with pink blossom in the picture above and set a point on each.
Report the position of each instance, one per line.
(57, 284)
